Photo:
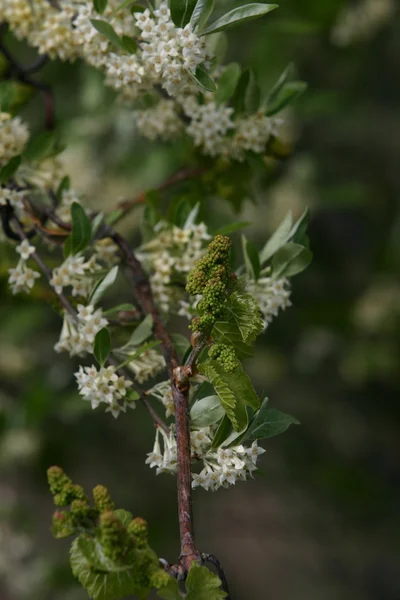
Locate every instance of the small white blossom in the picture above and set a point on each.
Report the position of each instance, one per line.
(22, 278)
(25, 250)
(103, 386)
(271, 294)
(77, 335)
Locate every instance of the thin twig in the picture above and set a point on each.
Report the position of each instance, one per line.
(210, 558)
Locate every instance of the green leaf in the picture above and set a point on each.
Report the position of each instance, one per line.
(228, 229)
(268, 422)
(239, 15)
(275, 90)
(9, 169)
(113, 217)
(234, 390)
(277, 239)
(170, 591)
(202, 584)
(252, 94)
(290, 260)
(246, 98)
(118, 308)
(181, 11)
(203, 79)
(124, 516)
(201, 14)
(181, 344)
(129, 44)
(243, 310)
(225, 332)
(7, 95)
(251, 259)
(206, 411)
(107, 30)
(235, 410)
(227, 83)
(142, 332)
(104, 579)
(288, 94)
(100, 5)
(81, 233)
(65, 185)
(42, 146)
(102, 286)
(96, 222)
(102, 346)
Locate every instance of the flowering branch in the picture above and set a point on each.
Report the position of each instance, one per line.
(180, 392)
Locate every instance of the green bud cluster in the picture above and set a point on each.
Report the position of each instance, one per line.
(102, 499)
(210, 278)
(63, 524)
(225, 355)
(117, 543)
(138, 528)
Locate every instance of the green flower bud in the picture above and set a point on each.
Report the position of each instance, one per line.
(102, 499)
(69, 493)
(139, 530)
(63, 524)
(117, 544)
(159, 579)
(57, 479)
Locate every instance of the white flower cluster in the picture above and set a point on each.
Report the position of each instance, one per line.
(164, 460)
(22, 278)
(271, 294)
(226, 466)
(76, 273)
(104, 385)
(169, 52)
(209, 126)
(165, 57)
(13, 137)
(165, 52)
(361, 20)
(147, 365)
(170, 255)
(77, 335)
(221, 468)
(159, 122)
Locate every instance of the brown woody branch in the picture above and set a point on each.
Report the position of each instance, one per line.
(180, 393)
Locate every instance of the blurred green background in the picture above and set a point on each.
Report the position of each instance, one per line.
(322, 521)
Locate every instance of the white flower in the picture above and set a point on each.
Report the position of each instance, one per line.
(25, 250)
(271, 294)
(147, 365)
(77, 335)
(13, 137)
(74, 272)
(103, 385)
(22, 278)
